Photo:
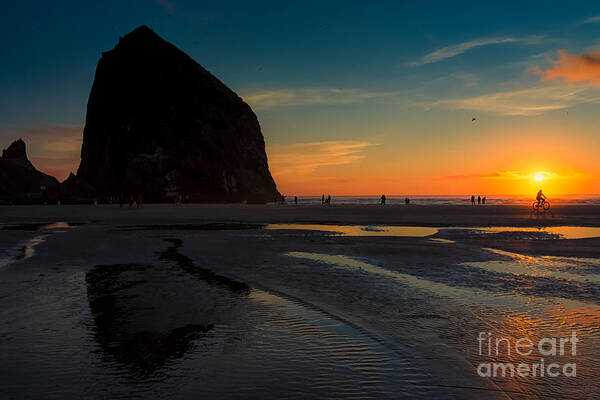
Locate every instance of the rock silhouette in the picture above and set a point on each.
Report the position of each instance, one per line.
(19, 180)
(74, 189)
(159, 124)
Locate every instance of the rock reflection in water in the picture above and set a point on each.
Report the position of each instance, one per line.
(146, 316)
(120, 303)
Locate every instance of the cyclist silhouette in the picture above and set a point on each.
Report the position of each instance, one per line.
(540, 197)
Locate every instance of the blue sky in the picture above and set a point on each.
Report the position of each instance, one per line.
(383, 76)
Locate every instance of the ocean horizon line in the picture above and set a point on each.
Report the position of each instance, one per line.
(557, 196)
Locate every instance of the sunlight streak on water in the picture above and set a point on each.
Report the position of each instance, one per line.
(27, 249)
(23, 253)
(550, 267)
(564, 232)
(360, 230)
(471, 295)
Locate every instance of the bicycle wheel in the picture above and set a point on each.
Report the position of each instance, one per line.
(546, 206)
(536, 206)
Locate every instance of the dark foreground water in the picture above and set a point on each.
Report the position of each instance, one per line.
(175, 330)
(173, 327)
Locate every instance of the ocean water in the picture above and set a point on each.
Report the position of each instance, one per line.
(447, 200)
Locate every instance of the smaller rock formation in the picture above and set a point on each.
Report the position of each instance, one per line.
(20, 181)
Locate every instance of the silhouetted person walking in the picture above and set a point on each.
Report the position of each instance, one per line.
(483, 200)
(478, 199)
(296, 200)
(406, 201)
(328, 199)
(383, 199)
(323, 199)
(473, 200)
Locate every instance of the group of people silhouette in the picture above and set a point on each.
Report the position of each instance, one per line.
(383, 199)
(281, 200)
(134, 201)
(480, 200)
(325, 200)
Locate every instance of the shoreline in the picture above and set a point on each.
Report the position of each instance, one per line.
(399, 215)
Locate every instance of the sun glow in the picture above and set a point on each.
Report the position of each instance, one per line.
(539, 177)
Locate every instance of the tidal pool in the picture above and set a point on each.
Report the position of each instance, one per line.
(553, 232)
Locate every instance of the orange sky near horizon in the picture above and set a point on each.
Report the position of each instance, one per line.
(498, 164)
(490, 163)
(500, 183)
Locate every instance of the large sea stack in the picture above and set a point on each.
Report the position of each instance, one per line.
(159, 124)
(20, 181)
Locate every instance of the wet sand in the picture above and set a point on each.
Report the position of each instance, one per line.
(451, 215)
(203, 299)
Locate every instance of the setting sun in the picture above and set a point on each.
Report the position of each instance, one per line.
(539, 177)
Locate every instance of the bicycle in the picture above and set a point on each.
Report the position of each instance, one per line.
(542, 205)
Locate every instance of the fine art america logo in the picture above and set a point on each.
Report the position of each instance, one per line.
(527, 348)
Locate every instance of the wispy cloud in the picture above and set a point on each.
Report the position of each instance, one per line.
(304, 158)
(592, 20)
(167, 5)
(460, 48)
(576, 68)
(516, 175)
(527, 102)
(309, 96)
(511, 175)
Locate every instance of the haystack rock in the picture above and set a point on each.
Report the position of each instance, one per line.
(159, 124)
(20, 181)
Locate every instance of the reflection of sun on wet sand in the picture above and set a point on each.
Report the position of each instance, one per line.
(357, 230)
(360, 301)
(527, 316)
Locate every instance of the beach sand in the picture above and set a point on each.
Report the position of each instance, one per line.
(210, 299)
(442, 215)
